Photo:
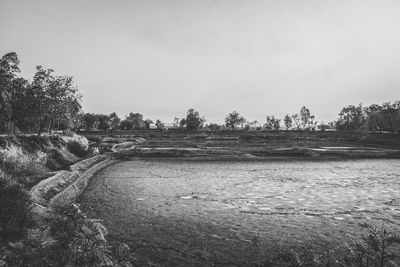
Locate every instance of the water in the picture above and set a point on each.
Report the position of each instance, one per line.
(212, 213)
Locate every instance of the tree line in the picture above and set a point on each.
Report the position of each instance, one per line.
(376, 118)
(51, 102)
(46, 102)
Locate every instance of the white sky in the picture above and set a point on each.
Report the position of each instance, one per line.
(260, 58)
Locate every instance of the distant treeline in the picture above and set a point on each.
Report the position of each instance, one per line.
(51, 102)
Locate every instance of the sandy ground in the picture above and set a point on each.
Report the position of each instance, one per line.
(179, 213)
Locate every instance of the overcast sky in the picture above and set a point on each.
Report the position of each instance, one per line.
(260, 58)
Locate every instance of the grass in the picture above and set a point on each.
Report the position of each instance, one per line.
(14, 210)
(77, 148)
(377, 247)
(22, 166)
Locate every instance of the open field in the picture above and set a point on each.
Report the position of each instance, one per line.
(180, 213)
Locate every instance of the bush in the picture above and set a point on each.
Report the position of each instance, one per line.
(81, 241)
(14, 210)
(22, 166)
(77, 149)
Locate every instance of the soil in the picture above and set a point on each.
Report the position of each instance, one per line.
(188, 213)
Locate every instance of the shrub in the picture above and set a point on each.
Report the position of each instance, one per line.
(376, 247)
(81, 241)
(22, 166)
(77, 148)
(14, 210)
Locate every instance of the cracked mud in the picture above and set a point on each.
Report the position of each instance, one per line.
(179, 213)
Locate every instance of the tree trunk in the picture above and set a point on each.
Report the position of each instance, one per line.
(51, 126)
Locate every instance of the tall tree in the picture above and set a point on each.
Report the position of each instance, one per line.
(297, 121)
(233, 119)
(148, 123)
(114, 121)
(182, 123)
(272, 123)
(175, 122)
(374, 118)
(193, 120)
(287, 121)
(351, 118)
(159, 124)
(305, 116)
(137, 120)
(8, 73)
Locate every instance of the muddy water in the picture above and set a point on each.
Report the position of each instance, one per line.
(225, 213)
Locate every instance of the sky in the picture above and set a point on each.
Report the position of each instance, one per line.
(260, 58)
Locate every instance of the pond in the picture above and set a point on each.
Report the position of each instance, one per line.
(230, 213)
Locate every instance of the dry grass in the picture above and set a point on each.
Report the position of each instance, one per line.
(22, 166)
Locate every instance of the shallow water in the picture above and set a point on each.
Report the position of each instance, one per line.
(218, 213)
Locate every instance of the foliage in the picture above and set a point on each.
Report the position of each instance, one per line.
(383, 117)
(148, 123)
(251, 125)
(272, 124)
(36, 105)
(233, 119)
(307, 119)
(351, 118)
(182, 123)
(15, 216)
(287, 121)
(77, 148)
(82, 241)
(175, 122)
(213, 127)
(376, 248)
(8, 70)
(193, 120)
(296, 120)
(159, 124)
(115, 121)
(21, 165)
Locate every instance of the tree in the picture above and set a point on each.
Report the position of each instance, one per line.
(90, 121)
(305, 117)
(159, 124)
(287, 121)
(250, 124)
(147, 123)
(374, 117)
(137, 120)
(175, 122)
(8, 73)
(40, 102)
(233, 119)
(351, 118)
(126, 124)
(193, 120)
(272, 123)
(214, 127)
(391, 114)
(115, 121)
(104, 122)
(54, 98)
(182, 123)
(296, 120)
(63, 102)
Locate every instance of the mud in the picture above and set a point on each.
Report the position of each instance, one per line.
(180, 213)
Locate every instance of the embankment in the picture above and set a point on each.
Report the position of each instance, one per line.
(248, 145)
(38, 175)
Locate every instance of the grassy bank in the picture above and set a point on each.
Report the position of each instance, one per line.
(24, 161)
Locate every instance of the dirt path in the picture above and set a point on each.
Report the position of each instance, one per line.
(230, 213)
